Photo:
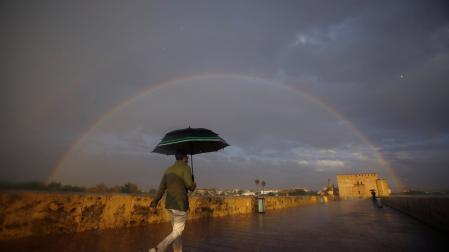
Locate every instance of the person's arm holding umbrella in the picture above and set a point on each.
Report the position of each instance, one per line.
(160, 193)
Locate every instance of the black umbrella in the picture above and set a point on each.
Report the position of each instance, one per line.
(190, 141)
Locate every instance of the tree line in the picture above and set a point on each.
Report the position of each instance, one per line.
(59, 187)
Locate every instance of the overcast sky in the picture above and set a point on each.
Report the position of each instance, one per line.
(302, 90)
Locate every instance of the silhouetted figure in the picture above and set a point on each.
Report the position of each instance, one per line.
(375, 199)
(379, 202)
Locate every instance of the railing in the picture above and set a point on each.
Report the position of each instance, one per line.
(431, 210)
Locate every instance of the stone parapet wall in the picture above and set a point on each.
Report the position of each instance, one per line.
(25, 214)
(433, 211)
(273, 203)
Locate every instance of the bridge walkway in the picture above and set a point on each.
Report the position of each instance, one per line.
(337, 226)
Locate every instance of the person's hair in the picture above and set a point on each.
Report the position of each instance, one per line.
(180, 156)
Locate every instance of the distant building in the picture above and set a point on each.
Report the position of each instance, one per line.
(248, 193)
(359, 185)
(329, 190)
(274, 192)
(205, 192)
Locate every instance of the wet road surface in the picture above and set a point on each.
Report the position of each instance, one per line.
(337, 226)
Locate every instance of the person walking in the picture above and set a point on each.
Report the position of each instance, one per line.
(177, 181)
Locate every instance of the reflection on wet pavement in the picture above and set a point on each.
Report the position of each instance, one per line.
(346, 225)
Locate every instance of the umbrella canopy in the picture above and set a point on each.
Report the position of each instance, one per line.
(190, 141)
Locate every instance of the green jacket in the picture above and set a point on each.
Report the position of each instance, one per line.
(176, 181)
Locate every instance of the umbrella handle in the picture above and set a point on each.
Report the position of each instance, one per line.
(191, 164)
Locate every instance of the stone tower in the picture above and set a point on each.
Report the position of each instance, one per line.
(359, 185)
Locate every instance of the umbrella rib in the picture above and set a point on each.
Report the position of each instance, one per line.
(191, 139)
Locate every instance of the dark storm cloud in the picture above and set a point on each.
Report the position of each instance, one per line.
(384, 64)
(391, 59)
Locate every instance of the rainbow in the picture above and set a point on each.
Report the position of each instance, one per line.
(178, 81)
